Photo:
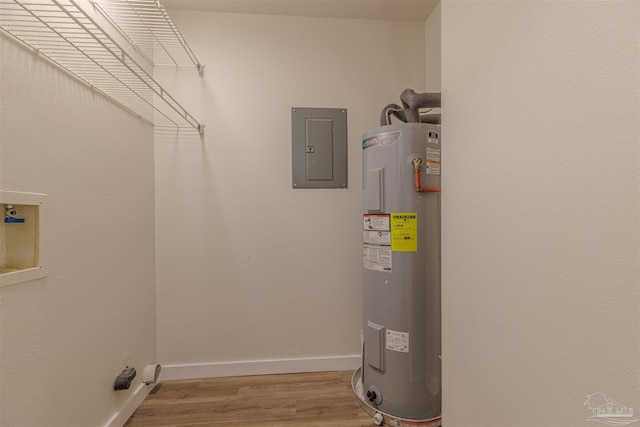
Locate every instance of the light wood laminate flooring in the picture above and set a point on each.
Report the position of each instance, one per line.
(309, 399)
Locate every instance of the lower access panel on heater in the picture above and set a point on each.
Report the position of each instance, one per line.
(374, 346)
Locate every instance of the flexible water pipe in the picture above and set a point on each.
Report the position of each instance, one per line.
(417, 165)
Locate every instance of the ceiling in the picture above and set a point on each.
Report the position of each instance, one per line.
(396, 10)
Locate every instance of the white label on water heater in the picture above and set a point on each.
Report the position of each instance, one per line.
(398, 341)
(379, 222)
(432, 137)
(377, 258)
(433, 161)
(376, 237)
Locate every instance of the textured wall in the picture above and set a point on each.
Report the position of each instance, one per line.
(248, 268)
(540, 210)
(64, 338)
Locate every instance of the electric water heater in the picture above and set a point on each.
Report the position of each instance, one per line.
(401, 364)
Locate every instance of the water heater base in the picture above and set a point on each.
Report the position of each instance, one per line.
(390, 420)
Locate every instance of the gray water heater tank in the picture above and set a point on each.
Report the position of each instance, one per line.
(401, 363)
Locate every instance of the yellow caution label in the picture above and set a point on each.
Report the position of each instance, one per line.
(404, 232)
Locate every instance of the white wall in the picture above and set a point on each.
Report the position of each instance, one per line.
(64, 338)
(249, 269)
(432, 31)
(540, 210)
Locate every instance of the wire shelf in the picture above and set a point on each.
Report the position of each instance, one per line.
(147, 26)
(66, 34)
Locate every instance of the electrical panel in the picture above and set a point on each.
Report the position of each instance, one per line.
(319, 147)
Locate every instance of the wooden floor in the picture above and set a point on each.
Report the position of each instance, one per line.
(313, 399)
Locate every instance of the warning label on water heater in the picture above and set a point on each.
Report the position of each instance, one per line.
(376, 239)
(377, 258)
(397, 341)
(433, 161)
(376, 222)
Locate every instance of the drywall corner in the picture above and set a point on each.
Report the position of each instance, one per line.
(432, 47)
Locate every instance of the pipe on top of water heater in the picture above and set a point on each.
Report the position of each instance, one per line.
(409, 112)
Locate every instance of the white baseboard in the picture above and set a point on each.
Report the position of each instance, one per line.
(130, 406)
(259, 367)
